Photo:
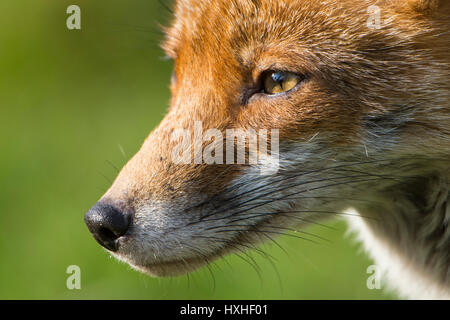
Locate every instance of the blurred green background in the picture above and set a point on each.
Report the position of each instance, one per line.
(74, 105)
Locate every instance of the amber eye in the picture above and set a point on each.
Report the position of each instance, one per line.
(277, 81)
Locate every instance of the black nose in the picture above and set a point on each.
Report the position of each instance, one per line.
(107, 224)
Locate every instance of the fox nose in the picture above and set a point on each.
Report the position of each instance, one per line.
(107, 224)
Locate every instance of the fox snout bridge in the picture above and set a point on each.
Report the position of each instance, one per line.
(107, 224)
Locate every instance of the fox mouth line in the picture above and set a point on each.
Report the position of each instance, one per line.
(244, 239)
(180, 266)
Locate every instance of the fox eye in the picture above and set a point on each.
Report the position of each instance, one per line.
(277, 81)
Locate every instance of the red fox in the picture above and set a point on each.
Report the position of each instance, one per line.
(353, 98)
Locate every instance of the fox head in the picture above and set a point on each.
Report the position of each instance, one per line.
(354, 98)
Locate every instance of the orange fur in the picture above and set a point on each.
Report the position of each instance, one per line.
(216, 58)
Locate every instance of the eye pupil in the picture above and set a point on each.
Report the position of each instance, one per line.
(278, 82)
